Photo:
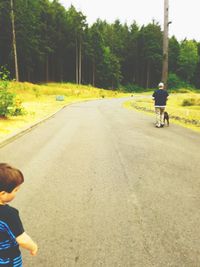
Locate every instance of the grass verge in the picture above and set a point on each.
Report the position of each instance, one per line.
(187, 116)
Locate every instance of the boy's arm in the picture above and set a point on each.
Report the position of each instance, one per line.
(26, 242)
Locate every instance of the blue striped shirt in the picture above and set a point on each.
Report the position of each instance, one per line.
(10, 228)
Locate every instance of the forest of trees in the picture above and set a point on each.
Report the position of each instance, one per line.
(56, 44)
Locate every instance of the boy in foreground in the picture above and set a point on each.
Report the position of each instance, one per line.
(12, 234)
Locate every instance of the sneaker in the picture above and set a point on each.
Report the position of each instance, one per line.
(157, 126)
(162, 125)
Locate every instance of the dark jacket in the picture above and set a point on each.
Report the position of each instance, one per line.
(160, 97)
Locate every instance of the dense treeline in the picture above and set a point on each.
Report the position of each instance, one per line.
(55, 44)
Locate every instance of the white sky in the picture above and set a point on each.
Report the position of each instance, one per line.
(184, 14)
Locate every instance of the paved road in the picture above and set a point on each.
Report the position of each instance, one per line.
(105, 188)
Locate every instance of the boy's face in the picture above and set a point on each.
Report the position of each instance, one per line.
(6, 197)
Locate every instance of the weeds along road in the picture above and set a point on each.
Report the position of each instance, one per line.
(104, 187)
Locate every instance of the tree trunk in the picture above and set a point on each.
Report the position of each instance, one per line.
(47, 68)
(93, 72)
(76, 60)
(14, 42)
(29, 75)
(80, 65)
(148, 75)
(133, 76)
(165, 44)
(61, 71)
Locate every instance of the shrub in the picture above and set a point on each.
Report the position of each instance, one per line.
(6, 98)
(8, 104)
(4, 77)
(191, 102)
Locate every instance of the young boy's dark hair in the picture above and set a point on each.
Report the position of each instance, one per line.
(10, 177)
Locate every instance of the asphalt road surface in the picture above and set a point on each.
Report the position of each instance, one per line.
(104, 187)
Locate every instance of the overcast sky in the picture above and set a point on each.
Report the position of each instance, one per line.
(184, 14)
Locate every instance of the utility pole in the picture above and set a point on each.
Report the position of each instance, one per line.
(165, 43)
(14, 41)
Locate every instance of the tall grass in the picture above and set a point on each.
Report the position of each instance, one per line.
(28, 90)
